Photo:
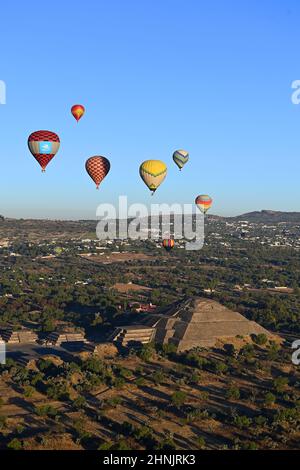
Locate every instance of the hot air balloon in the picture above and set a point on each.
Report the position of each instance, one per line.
(97, 167)
(168, 244)
(153, 172)
(78, 111)
(43, 145)
(203, 202)
(180, 157)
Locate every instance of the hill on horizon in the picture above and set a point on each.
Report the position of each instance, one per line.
(263, 216)
(269, 216)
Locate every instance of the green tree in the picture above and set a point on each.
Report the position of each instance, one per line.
(280, 384)
(260, 339)
(178, 398)
(15, 444)
(147, 352)
(201, 443)
(233, 393)
(269, 399)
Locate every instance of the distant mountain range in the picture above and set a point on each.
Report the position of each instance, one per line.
(267, 216)
(264, 216)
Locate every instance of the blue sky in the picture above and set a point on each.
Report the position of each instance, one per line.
(212, 77)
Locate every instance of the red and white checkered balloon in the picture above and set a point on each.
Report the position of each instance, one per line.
(97, 168)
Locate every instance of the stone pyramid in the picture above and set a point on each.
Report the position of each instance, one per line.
(200, 322)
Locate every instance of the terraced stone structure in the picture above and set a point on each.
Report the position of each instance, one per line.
(199, 322)
(57, 338)
(131, 335)
(22, 336)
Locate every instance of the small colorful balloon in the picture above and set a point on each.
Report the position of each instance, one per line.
(78, 111)
(180, 157)
(168, 244)
(203, 202)
(44, 146)
(97, 167)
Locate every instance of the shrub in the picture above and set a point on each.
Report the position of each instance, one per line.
(143, 433)
(269, 399)
(260, 420)
(242, 421)
(178, 398)
(169, 349)
(15, 444)
(233, 393)
(248, 351)
(280, 383)
(93, 365)
(260, 339)
(121, 445)
(201, 443)
(44, 364)
(167, 444)
(249, 446)
(158, 377)
(195, 360)
(197, 415)
(79, 402)
(46, 410)
(28, 391)
(273, 351)
(140, 381)
(220, 367)
(2, 422)
(147, 352)
(113, 402)
(105, 446)
(119, 382)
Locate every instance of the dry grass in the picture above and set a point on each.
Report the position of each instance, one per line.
(130, 287)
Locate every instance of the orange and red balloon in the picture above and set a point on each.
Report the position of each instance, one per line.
(78, 111)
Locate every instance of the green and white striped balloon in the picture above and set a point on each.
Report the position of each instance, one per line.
(180, 157)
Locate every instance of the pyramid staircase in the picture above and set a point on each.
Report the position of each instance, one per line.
(124, 336)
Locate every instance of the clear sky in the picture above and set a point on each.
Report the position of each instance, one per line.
(212, 77)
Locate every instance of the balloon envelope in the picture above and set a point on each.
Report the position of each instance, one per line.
(168, 244)
(43, 145)
(78, 111)
(180, 157)
(203, 202)
(153, 172)
(97, 167)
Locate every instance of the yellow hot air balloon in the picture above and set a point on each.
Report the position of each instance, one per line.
(153, 172)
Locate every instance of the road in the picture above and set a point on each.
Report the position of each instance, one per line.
(34, 351)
